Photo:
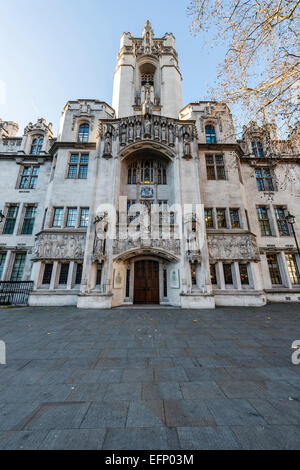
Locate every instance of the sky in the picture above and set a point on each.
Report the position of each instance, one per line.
(53, 52)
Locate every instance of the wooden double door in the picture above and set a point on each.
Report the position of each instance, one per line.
(146, 282)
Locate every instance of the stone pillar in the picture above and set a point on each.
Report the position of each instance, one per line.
(53, 282)
(7, 263)
(236, 276)
(286, 281)
(70, 275)
(221, 275)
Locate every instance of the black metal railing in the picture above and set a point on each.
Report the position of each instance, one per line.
(15, 293)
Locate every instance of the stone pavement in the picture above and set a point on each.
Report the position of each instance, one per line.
(150, 379)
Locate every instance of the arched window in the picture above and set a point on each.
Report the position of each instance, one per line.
(37, 145)
(210, 134)
(83, 133)
(257, 148)
(147, 172)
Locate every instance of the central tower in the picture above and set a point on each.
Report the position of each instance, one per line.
(147, 74)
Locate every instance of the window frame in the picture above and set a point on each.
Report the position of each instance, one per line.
(215, 170)
(79, 166)
(83, 136)
(210, 137)
(264, 222)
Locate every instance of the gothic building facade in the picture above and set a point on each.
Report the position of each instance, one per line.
(147, 201)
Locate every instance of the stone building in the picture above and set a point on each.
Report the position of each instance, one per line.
(147, 201)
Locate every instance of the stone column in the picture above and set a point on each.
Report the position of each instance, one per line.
(70, 275)
(53, 282)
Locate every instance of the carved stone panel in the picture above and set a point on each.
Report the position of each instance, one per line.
(60, 246)
(232, 247)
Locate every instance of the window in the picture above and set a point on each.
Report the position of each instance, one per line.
(264, 179)
(274, 269)
(209, 221)
(293, 268)
(234, 218)
(18, 267)
(147, 172)
(264, 223)
(29, 177)
(210, 134)
(58, 217)
(71, 217)
(221, 218)
(99, 274)
(165, 283)
(84, 217)
(78, 276)
(78, 166)
(127, 283)
(161, 174)
(63, 275)
(10, 220)
(193, 274)
(257, 149)
(244, 274)
(47, 273)
(29, 218)
(2, 261)
(227, 273)
(215, 167)
(37, 145)
(281, 222)
(213, 274)
(131, 214)
(83, 133)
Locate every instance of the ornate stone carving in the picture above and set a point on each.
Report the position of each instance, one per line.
(232, 247)
(59, 246)
(169, 245)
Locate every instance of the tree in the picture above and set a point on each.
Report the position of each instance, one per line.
(261, 68)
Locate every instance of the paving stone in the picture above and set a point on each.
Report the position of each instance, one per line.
(111, 414)
(11, 414)
(260, 437)
(146, 413)
(207, 438)
(123, 391)
(187, 413)
(176, 374)
(141, 439)
(74, 439)
(87, 392)
(205, 374)
(200, 390)
(161, 390)
(235, 411)
(242, 389)
(22, 440)
(138, 375)
(278, 410)
(56, 416)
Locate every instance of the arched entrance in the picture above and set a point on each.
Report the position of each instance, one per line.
(146, 282)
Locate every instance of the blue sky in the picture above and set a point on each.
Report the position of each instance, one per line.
(61, 50)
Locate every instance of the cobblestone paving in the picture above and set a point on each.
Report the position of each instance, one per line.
(150, 379)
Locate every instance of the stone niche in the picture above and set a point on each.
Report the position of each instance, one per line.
(233, 247)
(67, 246)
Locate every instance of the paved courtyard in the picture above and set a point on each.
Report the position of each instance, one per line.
(150, 378)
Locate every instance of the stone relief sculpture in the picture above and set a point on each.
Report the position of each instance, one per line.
(59, 246)
(232, 247)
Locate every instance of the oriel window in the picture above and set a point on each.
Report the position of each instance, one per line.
(257, 148)
(37, 145)
(234, 218)
(221, 218)
(210, 134)
(274, 269)
(209, 221)
(83, 133)
(293, 268)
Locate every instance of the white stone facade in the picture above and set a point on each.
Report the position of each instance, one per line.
(149, 202)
